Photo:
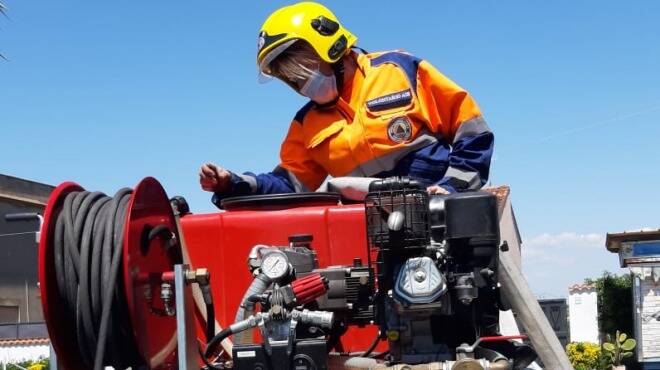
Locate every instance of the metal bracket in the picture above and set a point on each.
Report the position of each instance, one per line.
(295, 316)
(185, 327)
(264, 336)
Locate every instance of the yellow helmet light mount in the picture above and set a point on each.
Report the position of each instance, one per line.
(307, 21)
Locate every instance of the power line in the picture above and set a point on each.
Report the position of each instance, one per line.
(596, 124)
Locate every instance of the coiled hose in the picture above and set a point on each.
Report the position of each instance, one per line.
(89, 235)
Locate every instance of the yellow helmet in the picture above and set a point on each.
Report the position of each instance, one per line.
(308, 21)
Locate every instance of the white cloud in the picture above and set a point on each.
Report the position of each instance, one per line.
(552, 262)
(566, 239)
(561, 249)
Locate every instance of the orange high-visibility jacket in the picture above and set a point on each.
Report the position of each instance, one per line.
(398, 117)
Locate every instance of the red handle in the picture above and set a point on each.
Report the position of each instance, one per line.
(502, 338)
(308, 288)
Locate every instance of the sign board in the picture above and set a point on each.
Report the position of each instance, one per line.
(639, 252)
(647, 304)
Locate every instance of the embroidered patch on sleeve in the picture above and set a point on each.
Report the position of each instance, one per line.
(389, 101)
(399, 129)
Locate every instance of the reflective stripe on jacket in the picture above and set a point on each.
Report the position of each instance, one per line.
(399, 116)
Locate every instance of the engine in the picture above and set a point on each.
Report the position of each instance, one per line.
(436, 267)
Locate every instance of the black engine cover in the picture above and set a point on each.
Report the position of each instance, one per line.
(472, 216)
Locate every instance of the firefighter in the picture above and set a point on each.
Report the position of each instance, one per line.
(369, 114)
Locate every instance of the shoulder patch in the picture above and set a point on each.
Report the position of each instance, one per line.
(405, 61)
(389, 101)
(302, 112)
(399, 129)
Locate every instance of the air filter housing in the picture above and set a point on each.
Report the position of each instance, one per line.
(472, 217)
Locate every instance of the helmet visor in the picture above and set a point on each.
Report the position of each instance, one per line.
(264, 73)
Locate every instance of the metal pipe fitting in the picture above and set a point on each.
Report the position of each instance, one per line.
(317, 318)
(166, 294)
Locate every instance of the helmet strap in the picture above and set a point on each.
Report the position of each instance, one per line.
(338, 69)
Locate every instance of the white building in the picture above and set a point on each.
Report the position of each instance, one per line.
(583, 313)
(640, 251)
(19, 350)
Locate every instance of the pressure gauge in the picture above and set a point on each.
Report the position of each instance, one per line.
(275, 265)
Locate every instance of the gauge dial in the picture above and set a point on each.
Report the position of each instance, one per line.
(275, 265)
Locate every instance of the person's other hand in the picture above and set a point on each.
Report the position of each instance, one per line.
(214, 178)
(435, 189)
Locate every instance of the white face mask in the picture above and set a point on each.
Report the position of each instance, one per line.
(320, 88)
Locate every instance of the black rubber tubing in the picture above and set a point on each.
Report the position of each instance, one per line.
(373, 345)
(88, 248)
(213, 343)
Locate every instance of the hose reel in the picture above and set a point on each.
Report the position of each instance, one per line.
(101, 263)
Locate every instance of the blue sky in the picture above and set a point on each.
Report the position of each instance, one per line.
(105, 93)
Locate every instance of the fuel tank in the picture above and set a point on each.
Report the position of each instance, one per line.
(222, 241)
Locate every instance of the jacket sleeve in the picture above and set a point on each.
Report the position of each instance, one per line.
(297, 172)
(455, 116)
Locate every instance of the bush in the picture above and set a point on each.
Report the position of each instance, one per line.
(619, 348)
(583, 355)
(41, 364)
(615, 303)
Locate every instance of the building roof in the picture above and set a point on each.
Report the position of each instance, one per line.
(581, 288)
(24, 342)
(24, 191)
(614, 240)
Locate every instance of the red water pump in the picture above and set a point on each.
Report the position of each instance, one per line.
(398, 278)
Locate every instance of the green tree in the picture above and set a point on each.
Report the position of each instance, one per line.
(615, 302)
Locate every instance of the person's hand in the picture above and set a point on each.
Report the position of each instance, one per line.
(435, 189)
(214, 178)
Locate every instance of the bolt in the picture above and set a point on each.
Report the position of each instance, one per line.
(487, 273)
(392, 335)
(466, 301)
(189, 275)
(420, 276)
(200, 276)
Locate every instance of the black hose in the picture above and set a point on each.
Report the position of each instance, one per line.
(89, 235)
(210, 322)
(373, 345)
(206, 362)
(213, 343)
(210, 309)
